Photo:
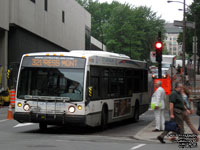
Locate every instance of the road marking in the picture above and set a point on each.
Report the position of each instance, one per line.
(138, 146)
(23, 124)
(3, 120)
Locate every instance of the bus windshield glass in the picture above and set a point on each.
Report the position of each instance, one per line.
(51, 82)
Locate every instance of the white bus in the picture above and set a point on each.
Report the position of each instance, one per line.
(91, 88)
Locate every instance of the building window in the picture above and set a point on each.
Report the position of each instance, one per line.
(63, 16)
(174, 48)
(45, 5)
(87, 38)
(174, 39)
(32, 1)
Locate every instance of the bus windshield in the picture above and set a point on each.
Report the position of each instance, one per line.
(55, 82)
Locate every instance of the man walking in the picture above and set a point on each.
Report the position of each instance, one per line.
(176, 110)
(158, 104)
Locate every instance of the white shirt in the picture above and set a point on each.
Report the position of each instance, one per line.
(159, 97)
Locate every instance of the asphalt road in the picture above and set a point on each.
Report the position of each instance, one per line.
(120, 136)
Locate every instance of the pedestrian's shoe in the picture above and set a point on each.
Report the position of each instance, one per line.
(155, 130)
(161, 140)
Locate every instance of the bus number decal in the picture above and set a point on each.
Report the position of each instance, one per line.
(57, 62)
(36, 62)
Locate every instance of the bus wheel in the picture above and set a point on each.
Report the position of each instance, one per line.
(136, 113)
(42, 126)
(104, 118)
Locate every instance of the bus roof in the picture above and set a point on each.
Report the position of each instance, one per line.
(83, 53)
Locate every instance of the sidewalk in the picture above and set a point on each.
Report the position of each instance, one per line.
(146, 133)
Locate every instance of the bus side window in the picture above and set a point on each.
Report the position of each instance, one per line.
(104, 84)
(95, 82)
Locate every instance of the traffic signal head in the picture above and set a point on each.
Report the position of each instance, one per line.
(158, 47)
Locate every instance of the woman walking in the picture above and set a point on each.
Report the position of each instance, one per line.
(189, 110)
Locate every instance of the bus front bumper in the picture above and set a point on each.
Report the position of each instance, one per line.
(54, 119)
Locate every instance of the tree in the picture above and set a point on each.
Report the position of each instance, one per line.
(124, 28)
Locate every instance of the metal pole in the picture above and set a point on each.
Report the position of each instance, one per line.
(195, 53)
(184, 32)
(159, 69)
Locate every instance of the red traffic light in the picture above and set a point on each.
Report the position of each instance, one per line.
(158, 45)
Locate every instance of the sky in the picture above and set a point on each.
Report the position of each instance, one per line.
(167, 11)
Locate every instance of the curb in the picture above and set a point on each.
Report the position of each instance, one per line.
(138, 134)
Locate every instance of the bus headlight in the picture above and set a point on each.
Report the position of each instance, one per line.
(19, 104)
(27, 107)
(71, 109)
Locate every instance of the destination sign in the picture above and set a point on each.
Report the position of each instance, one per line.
(53, 62)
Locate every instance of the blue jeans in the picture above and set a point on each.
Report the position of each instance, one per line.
(199, 124)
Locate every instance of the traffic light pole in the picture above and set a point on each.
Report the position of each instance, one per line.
(159, 69)
(159, 47)
(183, 46)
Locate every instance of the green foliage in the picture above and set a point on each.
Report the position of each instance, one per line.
(124, 28)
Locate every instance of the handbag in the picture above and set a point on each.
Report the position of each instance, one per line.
(171, 126)
(198, 109)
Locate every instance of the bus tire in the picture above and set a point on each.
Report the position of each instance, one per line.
(104, 117)
(136, 115)
(42, 126)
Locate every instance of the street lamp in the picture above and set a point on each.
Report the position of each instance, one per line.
(178, 2)
(184, 31)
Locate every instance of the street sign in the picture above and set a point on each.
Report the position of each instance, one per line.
(188, 24)
(166, 85)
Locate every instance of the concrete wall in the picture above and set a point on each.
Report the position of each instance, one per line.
(97, 45)
(21, 41)
(48, 24)
(4, 14)
(27, 27)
